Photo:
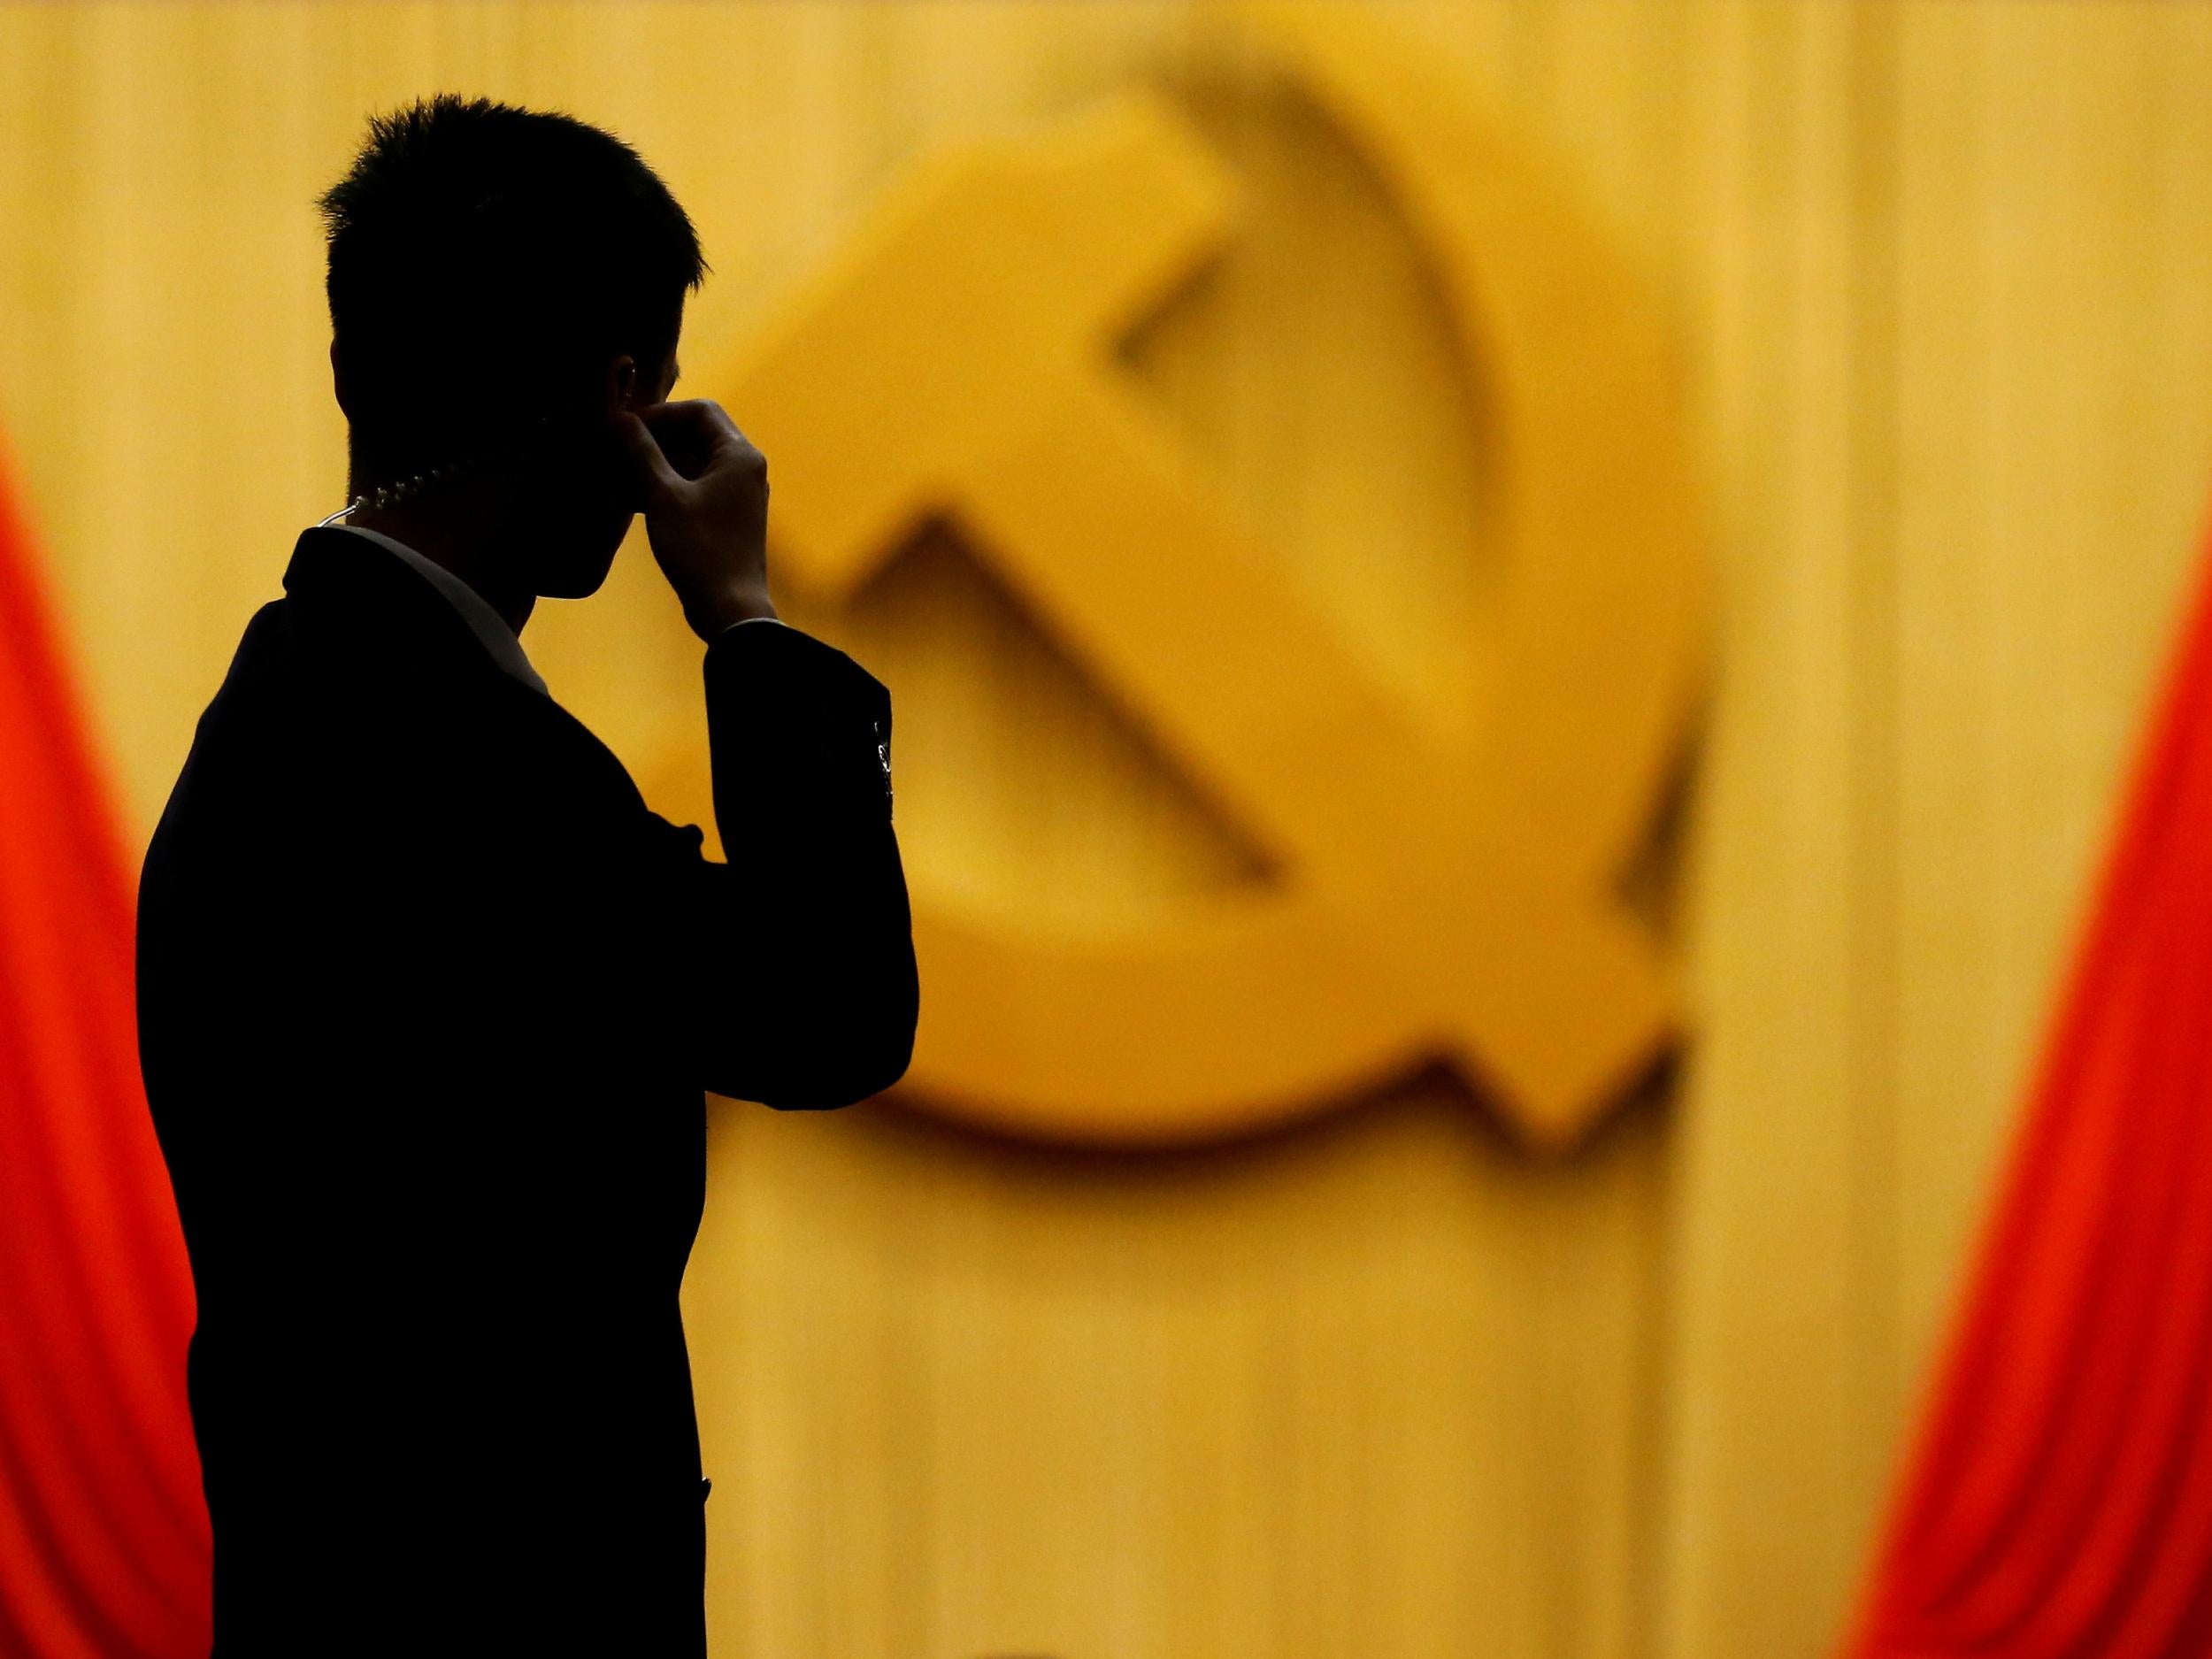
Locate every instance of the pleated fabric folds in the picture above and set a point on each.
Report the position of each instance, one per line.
(103, 1531)
(2057, 1503)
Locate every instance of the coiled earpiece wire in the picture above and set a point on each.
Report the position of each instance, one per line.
(390, 495)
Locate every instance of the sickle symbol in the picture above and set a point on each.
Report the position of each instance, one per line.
(954, 359)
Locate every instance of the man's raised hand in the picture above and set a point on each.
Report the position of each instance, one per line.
(705, 493)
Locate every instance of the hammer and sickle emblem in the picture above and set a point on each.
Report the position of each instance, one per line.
(953, 360)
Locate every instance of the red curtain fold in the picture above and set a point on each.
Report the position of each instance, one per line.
(2058, 1502)
(103, 1534)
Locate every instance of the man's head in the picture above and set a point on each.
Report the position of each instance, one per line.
(502, 280)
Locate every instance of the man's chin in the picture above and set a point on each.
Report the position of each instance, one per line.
(578, 575)
(574, 584)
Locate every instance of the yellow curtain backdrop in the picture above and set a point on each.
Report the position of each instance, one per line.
(1385, 1385)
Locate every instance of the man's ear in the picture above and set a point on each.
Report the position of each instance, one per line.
(625, 387)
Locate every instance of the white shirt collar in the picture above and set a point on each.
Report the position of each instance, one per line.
(484, 622)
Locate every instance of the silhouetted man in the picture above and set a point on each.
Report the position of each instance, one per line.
(428, 997)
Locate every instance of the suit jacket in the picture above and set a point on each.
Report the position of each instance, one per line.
(428, 999)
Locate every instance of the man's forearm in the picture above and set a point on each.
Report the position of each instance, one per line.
(800, 736)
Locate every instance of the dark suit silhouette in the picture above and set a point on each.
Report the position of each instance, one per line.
(428, 998)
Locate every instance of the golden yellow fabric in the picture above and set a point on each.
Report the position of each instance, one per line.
(1384, 1386)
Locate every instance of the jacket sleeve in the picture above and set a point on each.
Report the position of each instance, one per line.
(796, 957)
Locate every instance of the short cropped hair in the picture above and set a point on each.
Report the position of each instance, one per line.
(482, 255)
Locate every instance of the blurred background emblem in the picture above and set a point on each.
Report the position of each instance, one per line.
(1431, 889)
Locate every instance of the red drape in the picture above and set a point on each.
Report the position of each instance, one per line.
(2058, 1504)
(104, 1535)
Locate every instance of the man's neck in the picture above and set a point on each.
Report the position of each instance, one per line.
(459, 541)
